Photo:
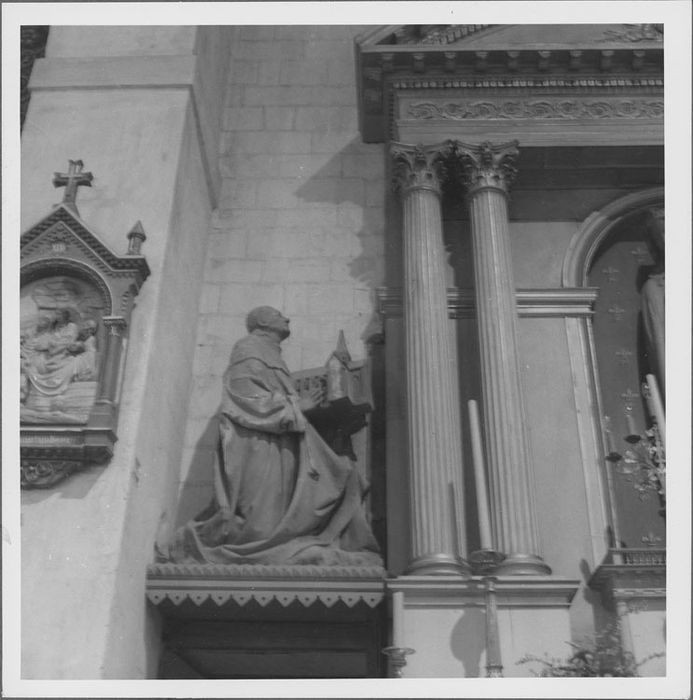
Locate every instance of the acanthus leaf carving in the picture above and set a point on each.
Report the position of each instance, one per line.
(419, 167)
(487, 164)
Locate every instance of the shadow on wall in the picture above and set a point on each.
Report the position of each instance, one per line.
(467, 641)
(349, 182)
(198, 488)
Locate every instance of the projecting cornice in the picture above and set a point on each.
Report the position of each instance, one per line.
(221, 585)
(599, 59)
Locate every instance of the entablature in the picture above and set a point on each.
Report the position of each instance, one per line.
(620, 66)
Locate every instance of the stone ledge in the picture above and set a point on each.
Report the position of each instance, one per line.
(560, 302)
(222, 584)
(113, 72)
(631, 573)
(264, 571)
(511, 591)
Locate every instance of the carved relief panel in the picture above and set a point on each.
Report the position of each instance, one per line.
(76, 299)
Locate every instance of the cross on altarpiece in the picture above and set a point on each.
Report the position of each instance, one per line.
(71, 180)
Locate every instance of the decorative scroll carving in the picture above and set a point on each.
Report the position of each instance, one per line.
(538, 109)
(70, 361)
(487, 165)
(41, 474)
(419, 167)
(635, 33)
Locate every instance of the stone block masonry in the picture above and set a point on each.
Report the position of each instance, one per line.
(300, 223)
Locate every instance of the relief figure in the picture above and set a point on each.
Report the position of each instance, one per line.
(58, 358)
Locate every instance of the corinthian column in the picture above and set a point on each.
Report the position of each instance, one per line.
(488, 171)
(433, 406)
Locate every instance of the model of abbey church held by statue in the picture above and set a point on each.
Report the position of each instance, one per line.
(380, 393)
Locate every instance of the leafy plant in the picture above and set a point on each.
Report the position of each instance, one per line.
(602, 656)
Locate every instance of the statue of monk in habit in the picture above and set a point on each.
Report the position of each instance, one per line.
(281, 495)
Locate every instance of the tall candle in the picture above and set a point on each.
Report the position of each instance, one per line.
(398, 619)
(480, 477)
(657, 407)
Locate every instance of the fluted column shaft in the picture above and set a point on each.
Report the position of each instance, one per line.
(433, 405)
(488, 171)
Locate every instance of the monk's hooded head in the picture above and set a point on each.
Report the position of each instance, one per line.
(267, 318)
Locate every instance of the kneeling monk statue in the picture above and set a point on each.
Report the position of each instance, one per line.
(282, 496)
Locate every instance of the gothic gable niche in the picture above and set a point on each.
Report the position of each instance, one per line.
(600, 57)
(76, 299)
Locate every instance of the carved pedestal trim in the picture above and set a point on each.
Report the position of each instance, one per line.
(239, 584)
(43, 473)
(397, 657)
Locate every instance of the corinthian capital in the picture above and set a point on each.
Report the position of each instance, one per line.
(487, 165)
(419, 167)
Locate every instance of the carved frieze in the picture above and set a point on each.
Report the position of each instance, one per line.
(74, 292)
(559, 108)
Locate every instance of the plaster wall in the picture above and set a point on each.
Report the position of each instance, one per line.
(92, 535)
(449, 641)
(538, 249)
(645, 631)
(300, 219)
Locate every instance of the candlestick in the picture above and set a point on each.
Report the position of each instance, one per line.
(654, 403)
(612, 454)
(398, 659)
(485, 533)
(494, 665)
(632, 434)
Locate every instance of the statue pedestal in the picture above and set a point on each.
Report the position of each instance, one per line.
(264, 621)
(443, 619)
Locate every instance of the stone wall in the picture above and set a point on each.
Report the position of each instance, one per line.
(300, 219)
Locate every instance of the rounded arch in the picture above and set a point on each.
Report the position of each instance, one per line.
(64, 266)
(596, 227)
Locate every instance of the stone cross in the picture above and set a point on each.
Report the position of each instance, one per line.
(71, 180)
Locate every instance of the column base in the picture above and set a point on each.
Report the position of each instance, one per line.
(438, 565)
(516, 564)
